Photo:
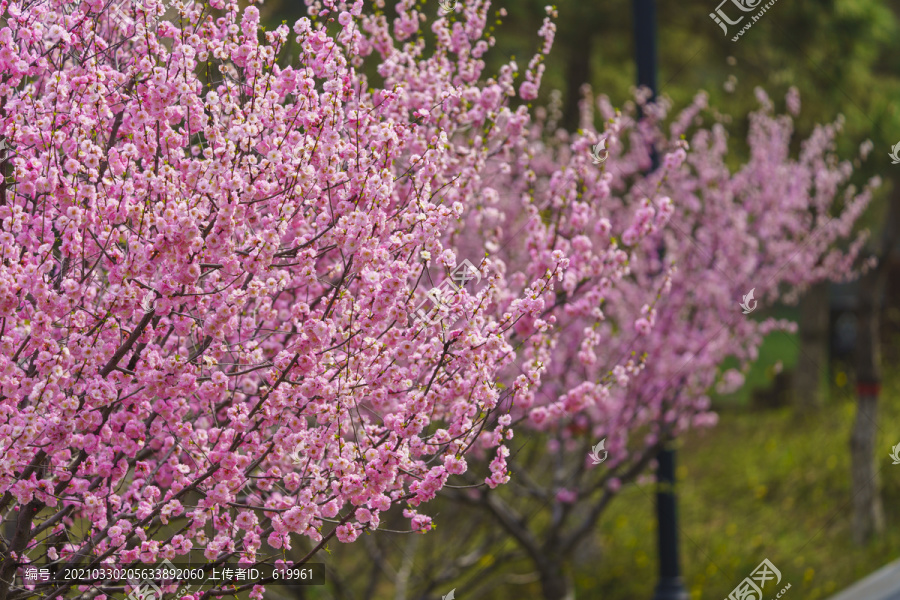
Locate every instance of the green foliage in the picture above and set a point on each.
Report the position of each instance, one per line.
(757, 486)
(777, 347)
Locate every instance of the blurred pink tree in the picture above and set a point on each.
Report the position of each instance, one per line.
(774, 227)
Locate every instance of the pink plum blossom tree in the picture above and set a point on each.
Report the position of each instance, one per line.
(210, 268)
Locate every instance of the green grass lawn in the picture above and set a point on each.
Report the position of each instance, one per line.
(759, 485)
(776, 348)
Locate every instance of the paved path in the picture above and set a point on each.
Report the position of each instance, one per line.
(883, 584)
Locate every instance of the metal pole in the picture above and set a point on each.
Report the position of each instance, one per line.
(645, 52)
(645, 43)
(670, 586)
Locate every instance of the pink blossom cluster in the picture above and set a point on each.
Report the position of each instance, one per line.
(208, 264)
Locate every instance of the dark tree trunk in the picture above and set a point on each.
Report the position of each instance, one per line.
(555, 584)
(868, 513)
(813, 359)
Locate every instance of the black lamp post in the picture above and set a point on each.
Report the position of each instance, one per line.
(670, 586)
